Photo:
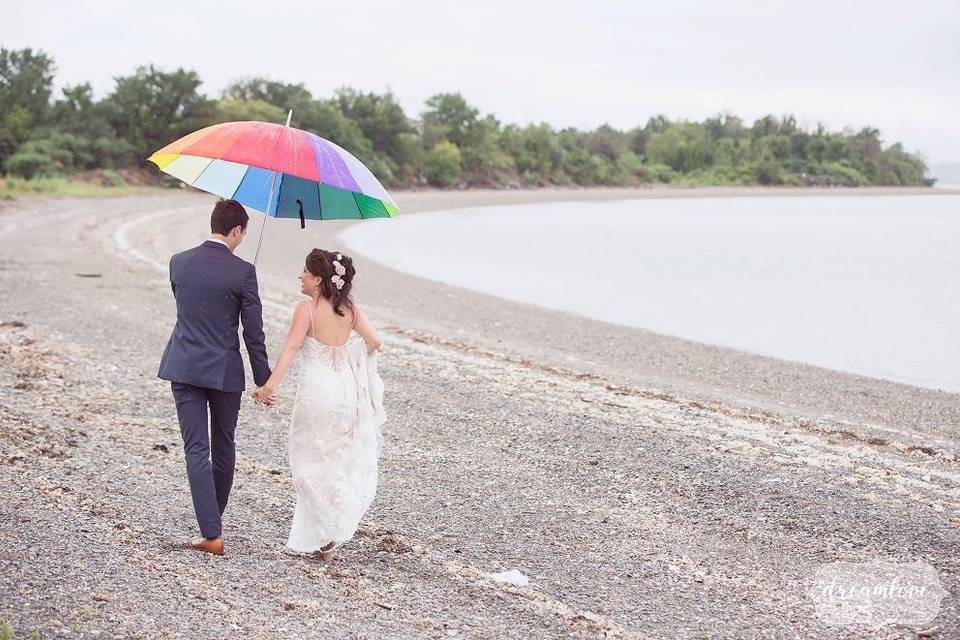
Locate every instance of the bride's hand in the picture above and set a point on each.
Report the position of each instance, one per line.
(265, 395)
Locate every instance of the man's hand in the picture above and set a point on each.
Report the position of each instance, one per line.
(265, 395)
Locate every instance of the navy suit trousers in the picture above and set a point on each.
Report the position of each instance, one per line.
(208, 448)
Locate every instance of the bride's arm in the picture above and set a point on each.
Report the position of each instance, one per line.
(295, 335)
(366, 330)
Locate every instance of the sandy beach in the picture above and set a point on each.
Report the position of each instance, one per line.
(649, 486)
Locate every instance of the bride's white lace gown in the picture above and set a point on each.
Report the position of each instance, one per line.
(334, 441)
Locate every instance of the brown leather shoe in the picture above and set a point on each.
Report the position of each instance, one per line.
(209, 545)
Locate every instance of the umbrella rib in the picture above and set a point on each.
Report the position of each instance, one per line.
(279, 193)
(359, 208)
(200, 175)
(233, 196)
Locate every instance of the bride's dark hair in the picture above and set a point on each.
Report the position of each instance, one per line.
(320, 263)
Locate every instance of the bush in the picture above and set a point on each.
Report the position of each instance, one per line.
(30, 164)
(839, 173)
(66, 152)
(442, 164)
(768, 171)
(668, 148)
(113, 153)
(659, 172)
(110, 178)
(603, 171)
(578, 166)
(714, 176)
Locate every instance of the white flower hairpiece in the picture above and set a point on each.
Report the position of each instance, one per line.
(339, 268)
(339, 257)
(337, 280)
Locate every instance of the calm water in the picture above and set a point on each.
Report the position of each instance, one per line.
(868, 284)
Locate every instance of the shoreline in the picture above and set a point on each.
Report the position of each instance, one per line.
(416, 201)
(490, 197)
(428, 202)
(712, 374)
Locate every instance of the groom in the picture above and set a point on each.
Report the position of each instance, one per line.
(214, 289)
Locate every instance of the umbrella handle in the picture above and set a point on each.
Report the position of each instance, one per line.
(303, 223)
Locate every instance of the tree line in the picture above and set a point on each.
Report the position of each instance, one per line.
(449, 144)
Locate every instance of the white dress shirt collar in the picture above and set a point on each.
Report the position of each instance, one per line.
(220, 241)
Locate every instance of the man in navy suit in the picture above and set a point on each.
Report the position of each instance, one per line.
(214, 290)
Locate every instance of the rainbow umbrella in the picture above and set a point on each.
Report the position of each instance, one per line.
(279, 170)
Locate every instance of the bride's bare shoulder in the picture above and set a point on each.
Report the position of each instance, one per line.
(302, 311)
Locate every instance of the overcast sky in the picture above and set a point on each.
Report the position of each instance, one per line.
(891, 64)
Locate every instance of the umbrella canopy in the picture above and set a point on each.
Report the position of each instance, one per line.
(279, 170)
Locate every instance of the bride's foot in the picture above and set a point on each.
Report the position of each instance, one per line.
(326, 551)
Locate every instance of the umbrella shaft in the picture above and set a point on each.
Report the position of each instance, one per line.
(259, 240)
(273, 184)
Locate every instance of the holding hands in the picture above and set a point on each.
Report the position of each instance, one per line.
(265, 395)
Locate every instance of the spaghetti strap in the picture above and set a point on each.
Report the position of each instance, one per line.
(310, 309)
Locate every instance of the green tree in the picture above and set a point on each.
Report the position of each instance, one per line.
(26, 82)
(537, 153)
(442, 164)
(448, 116)
(326, 120)
(724, 126)
(669, 148)
(280, 94)
(379, 117)
(898, 167)
(410, 161)
(485, 160)
(451, 144)
(152, 108)
(767, 171)
(77, 113)
(579, 166)
(657, 124)
(236, 110)
(283, 96)
(607, 142)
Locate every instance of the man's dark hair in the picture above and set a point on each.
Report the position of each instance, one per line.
(227, 214)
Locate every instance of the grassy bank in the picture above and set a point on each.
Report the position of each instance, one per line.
(11, 188)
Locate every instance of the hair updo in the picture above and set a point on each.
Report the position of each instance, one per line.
(320, 263)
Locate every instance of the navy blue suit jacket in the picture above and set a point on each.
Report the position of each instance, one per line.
(214, 290)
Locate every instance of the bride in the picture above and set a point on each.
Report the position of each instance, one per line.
(335, 438)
